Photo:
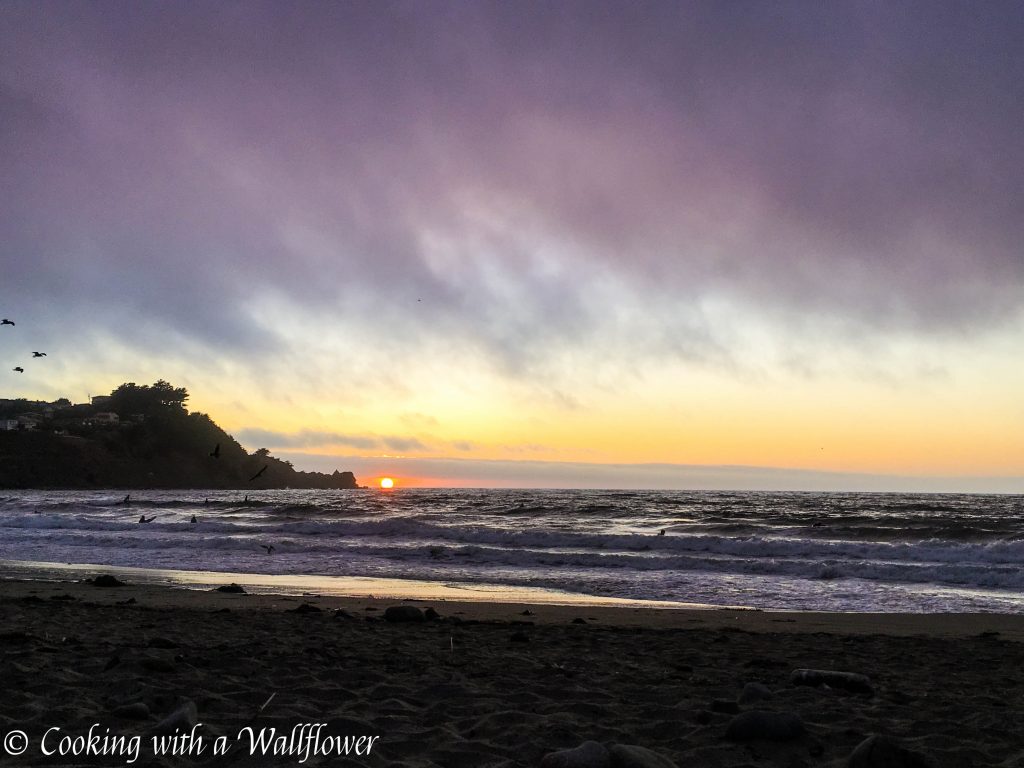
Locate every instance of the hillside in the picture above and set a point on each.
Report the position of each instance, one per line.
(137, 437)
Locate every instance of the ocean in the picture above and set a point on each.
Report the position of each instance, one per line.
(789, 551)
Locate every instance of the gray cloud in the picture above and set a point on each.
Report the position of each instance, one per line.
(307, 438)
(518, 182)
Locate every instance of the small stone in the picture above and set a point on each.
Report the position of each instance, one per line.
(232, 589)
(306, 608)
(430, 614)
(400, 613)
(754, 692)
(341, 613)
(884, 752)
(579, 620)
(136, 711)
(631, 756)
(589, 754)
(844, 681)
(106, 580)
(769, 726)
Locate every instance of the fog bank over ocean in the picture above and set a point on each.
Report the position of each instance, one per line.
(473, 473)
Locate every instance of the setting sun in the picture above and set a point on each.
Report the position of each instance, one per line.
(387, 482)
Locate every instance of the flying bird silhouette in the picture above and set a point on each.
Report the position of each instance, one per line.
(19, 369)
(38, 354)
(268, 547)
(5, 321)
(259, 473)
(216, 451)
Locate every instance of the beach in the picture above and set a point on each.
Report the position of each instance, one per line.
(494, 684)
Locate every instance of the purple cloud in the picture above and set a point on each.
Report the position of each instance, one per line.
(520, 180)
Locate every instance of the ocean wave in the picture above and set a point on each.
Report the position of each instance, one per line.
(833, 544)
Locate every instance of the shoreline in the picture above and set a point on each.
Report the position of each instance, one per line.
(499, 607)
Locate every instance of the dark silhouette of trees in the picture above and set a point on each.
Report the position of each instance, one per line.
(156, 443)
(131, 399)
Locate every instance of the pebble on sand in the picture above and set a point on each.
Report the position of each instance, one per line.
(885, 752)
(106, 580)
(754, 692)
(844, 681)
(589, 754)
(769, 726)
(632, 756)
(232, 589)
(403, 613)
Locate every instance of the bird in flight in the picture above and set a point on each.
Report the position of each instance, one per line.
(19, 369)
(259, 473)
(5, 321)
(268, 547)
(216, 451)
(38, 354)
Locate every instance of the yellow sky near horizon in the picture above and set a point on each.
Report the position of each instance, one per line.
(897, 412)
(964, 422)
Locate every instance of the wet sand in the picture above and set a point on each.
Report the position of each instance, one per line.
(492, 685)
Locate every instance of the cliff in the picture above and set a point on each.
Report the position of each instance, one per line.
(136, 438)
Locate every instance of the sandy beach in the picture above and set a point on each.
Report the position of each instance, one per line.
(494, 684)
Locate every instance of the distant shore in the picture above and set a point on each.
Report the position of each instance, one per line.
(504, 684)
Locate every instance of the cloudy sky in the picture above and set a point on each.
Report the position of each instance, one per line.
(510, 243)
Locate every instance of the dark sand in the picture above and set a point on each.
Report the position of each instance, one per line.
(488, 686)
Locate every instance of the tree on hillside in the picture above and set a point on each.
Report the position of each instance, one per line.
(130, 398)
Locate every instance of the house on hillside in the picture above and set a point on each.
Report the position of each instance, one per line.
(29, 420)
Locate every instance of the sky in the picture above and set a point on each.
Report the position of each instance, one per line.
(654, 244)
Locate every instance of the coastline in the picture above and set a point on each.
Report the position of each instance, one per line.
(198, 591)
